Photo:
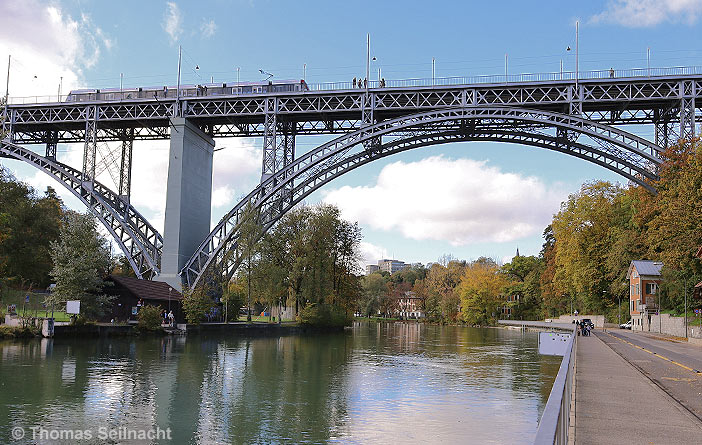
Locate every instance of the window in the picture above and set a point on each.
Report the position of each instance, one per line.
(651, 288)
(638, 289)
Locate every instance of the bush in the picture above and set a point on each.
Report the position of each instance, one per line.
(150, 318)
(196, 303)
(325, 315)
(17, 332)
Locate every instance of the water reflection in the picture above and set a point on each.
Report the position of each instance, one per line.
(378, 382)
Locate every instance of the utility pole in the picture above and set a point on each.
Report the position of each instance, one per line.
(177, 110)
(304, 72)
(506, 58)
(7, 89)
(367, 61)
(577, 52)
(648, 61)
(433, 71)
(685, 307)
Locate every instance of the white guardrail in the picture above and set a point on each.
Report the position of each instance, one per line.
(555, 420)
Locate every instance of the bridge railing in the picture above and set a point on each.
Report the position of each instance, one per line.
(453, 81)
(555, 420)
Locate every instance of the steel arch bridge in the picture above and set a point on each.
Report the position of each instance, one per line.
(139, 241)
(574, 115)
(628, 155)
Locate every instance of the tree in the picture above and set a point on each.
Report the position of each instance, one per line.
(310, 257)
(480, 289)
(81, 259)
(525, 274)
(583, 230)
(442, 302)
(28, 224)
(375, 286)
(149, 317)
(250, 232)
(675, 229)
(197, 302)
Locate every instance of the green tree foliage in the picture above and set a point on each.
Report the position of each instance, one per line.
(675, 228)
(250, 232)
(197, 302)
(122, 267)
(525, 274)
(234, 298)
(481, 292)
(375, 288)
(28, 224)
(442, 302)
(149, 318)
(309, 257)
(584, 233)
(81, 260)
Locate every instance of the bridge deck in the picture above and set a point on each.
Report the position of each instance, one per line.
(614, 101)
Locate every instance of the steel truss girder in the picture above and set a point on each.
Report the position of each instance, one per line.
(612, 148)
(139, 241)
(244, 115)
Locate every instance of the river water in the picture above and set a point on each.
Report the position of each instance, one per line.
(376, 383)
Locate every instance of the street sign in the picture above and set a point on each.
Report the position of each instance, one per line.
(73, 307)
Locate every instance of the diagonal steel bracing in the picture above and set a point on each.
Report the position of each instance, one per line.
(624, 100)
(139, 241)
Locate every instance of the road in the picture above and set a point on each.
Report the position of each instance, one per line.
(675, 367)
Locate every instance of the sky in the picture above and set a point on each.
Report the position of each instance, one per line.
(463, 199)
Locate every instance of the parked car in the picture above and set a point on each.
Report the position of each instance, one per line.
(626, 325)
(587, 322)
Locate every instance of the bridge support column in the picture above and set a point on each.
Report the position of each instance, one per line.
(51, 143)
(188, 198)
(125, 170)
(278, 141)
(90, 149)
(687, 109)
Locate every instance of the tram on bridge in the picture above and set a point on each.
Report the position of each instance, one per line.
(209, 89)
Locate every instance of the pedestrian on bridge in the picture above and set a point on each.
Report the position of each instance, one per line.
(354, 82)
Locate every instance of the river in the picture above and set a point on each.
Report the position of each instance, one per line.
(375, 383)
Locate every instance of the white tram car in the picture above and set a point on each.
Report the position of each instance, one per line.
(209, 89)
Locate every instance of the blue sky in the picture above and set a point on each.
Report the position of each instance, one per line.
(498, 197)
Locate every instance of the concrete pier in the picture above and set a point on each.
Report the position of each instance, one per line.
(189, 197)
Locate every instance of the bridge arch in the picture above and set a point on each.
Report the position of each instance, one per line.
(137, 238)
(624, 153)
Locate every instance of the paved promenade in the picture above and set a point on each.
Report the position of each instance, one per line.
(616, 404)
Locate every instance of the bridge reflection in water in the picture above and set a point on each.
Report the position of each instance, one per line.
(377, 383)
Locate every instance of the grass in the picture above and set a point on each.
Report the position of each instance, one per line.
(32, 309)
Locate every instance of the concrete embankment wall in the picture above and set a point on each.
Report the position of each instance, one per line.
(667, 324)
(598, 320)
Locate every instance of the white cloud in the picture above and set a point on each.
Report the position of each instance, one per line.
(208, 29)
(459, 201)
(643, 13)
(46, 45)
(370, 253)
(236, 170)
(173, 22)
